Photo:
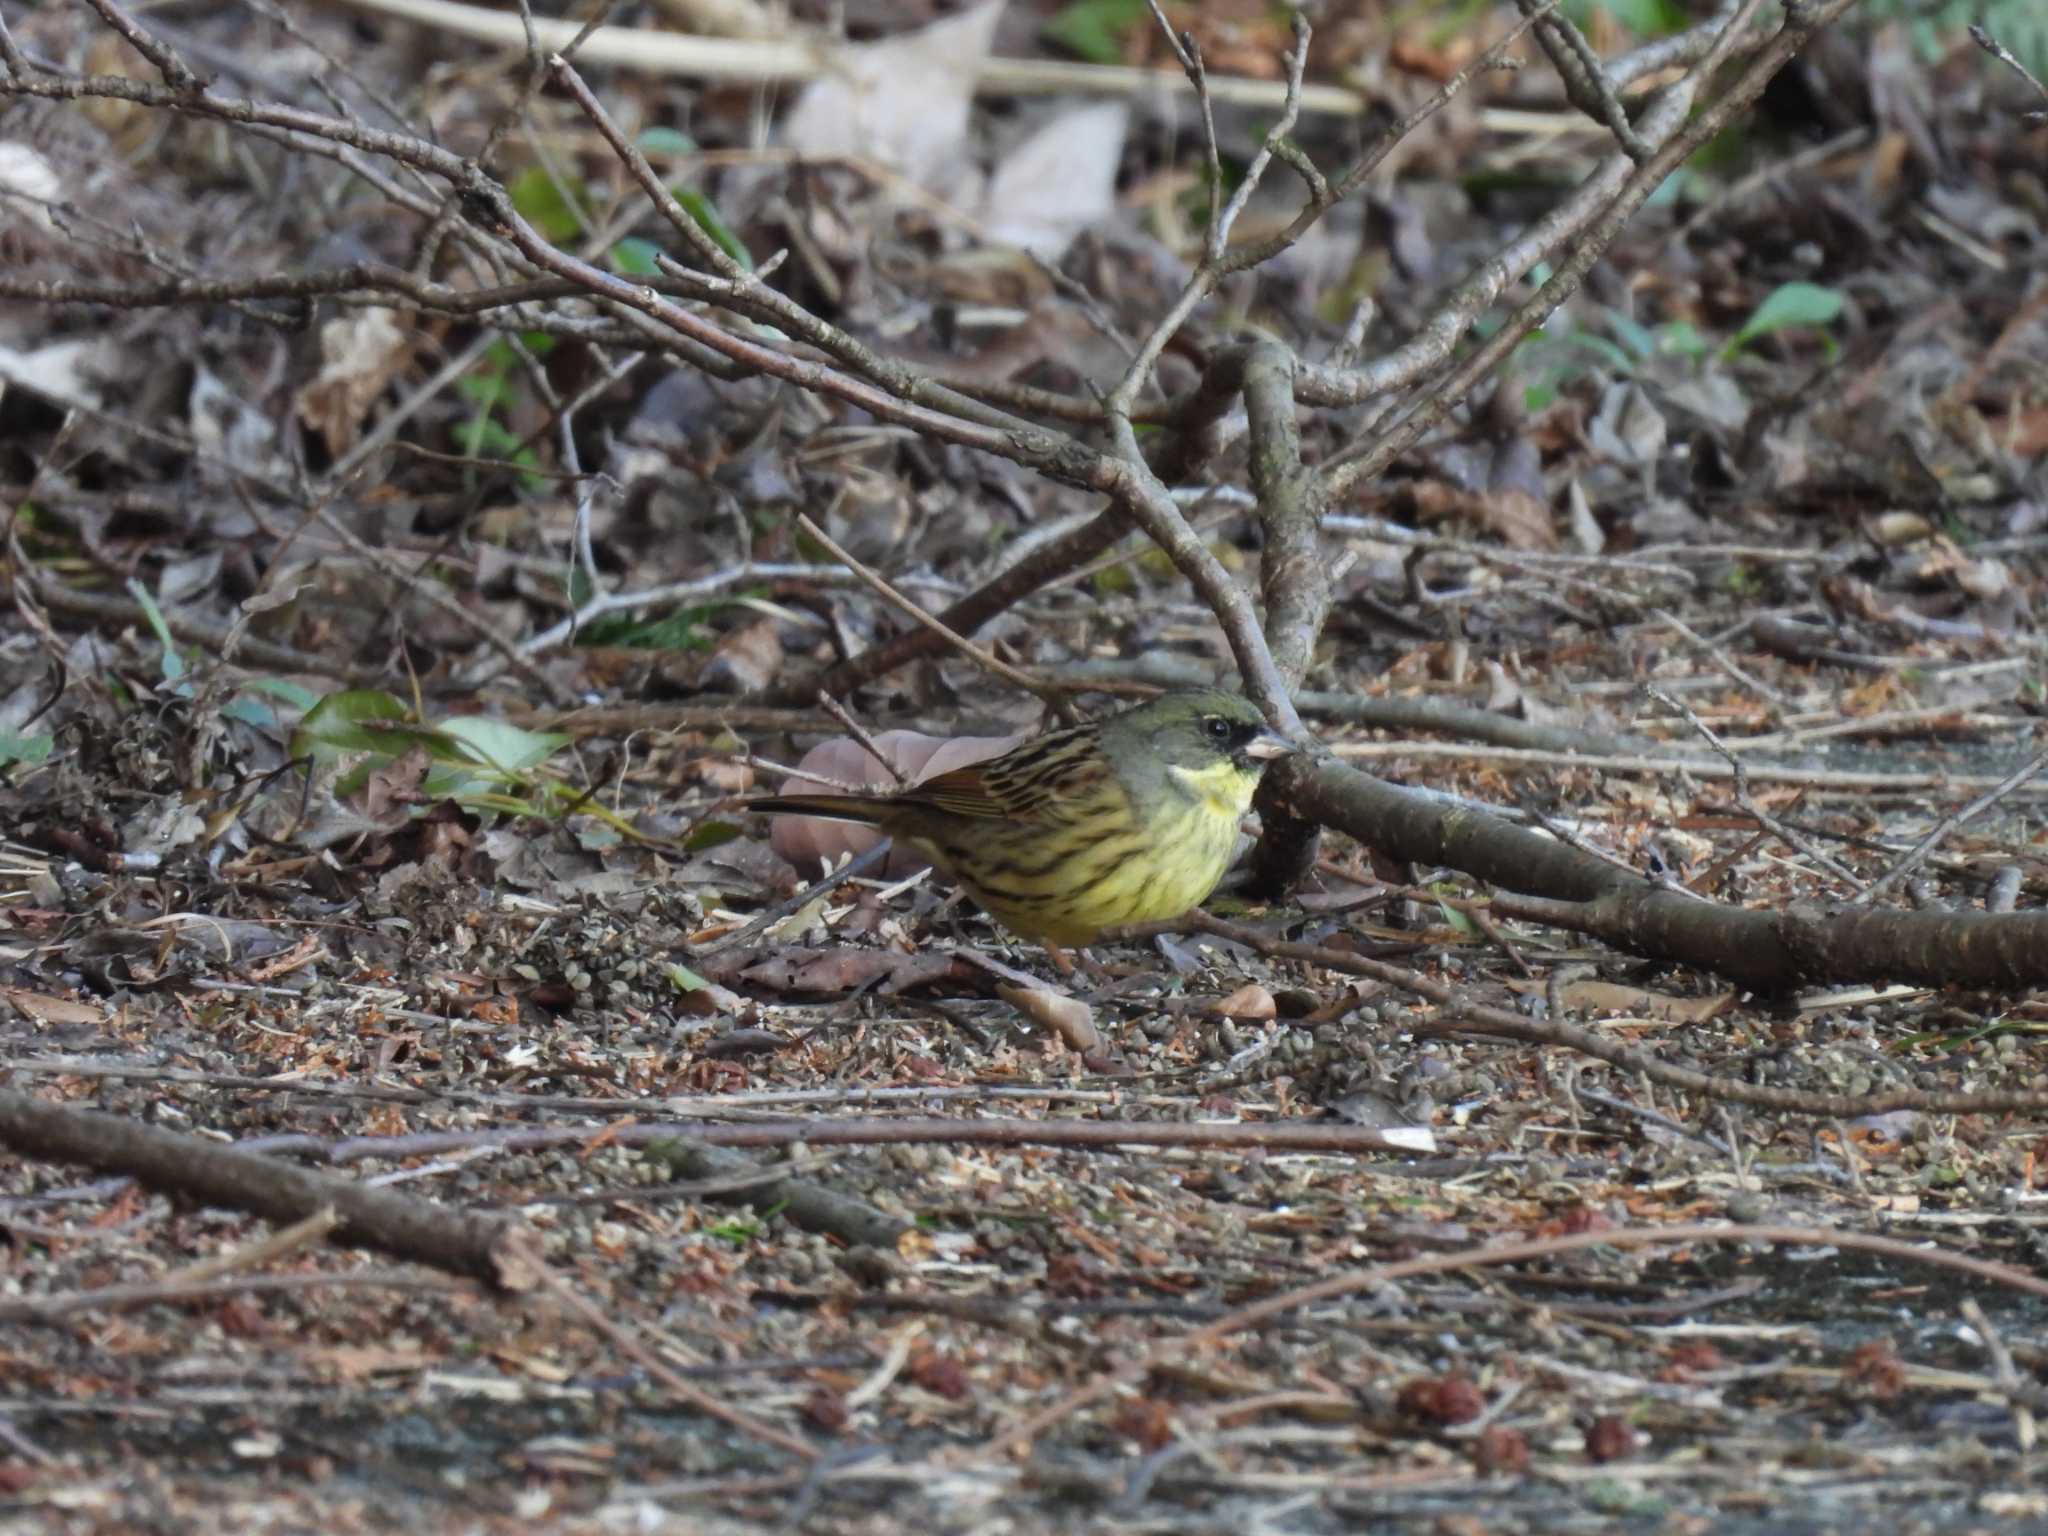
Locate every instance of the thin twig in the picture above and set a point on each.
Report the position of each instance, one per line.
(1748, 806)
(47, 1310)
(1917, 855)
(859, 733)
(1847, 780)
(876, 583)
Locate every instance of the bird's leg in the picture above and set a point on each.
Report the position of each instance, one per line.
(1066, 963)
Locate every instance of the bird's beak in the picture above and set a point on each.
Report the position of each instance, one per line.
(1268, 744)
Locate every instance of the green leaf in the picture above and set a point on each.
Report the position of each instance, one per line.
(705, 212)
(666, 141)
(544, 205)
(1638, 339)
(581, 588)
(495, 744)
(1791, 305)
(173, 664)
(17, 748)
(679, 631)
(709, 834)
(634, 257)
(453, 781)
(488, 438)
(1095, 30)
(1603, 349)
(1681, 338)
(250, 712)
(298, 697)
(1645, 18)
(484, 388)
(357, 720)
(684, 979)
(1460, 922)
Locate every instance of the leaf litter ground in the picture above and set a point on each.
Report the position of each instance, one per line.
(391, 957)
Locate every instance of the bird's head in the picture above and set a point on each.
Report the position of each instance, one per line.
(1211, 743)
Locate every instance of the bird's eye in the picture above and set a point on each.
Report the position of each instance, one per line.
(1217, 727)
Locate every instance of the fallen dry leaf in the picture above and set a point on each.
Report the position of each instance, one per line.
(45, 1009)
(1250, 1001)
(360, 354)
(1068, 1017)
(1607, 997)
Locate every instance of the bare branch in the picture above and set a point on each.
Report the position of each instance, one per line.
(202, 1170)
(177, 75)
(1633, 185)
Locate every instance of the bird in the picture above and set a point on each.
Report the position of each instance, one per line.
(1129, 819)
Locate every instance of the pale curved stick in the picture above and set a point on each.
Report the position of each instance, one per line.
(760, 59)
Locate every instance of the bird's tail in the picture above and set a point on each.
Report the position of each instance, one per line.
(855, 808)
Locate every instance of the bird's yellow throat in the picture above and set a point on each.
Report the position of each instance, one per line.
(1222, 787)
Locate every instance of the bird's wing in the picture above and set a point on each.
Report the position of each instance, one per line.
(1039, 781)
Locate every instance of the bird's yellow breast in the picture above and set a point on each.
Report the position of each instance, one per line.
(1065, 885)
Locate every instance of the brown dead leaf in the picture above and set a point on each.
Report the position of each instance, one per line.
(1604, 997)
(1518, 517)
(1415, 51)
(359, 1362)
(1059, 181)
(45, 1009)
(2022, 433)
(360, 354)
(1068, 1017)
(726, 774)
(306, 952)
(1250, 1001)
(710, 1001)
(903, 102)
(837, 970)
(394, 784)
(746, 661)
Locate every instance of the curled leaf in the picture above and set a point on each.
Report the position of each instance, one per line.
(1068, 1017)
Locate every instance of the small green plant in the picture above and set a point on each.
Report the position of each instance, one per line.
(1790, 306)
(27, 750)
(738, 1232)
(1645, 18)
(742, 1230)
(483, 765)
(681, 630)
(493, 383)
(548, 204)
(1559, 353)
(1742, 581)
(1096, 30)
(248, 703)
(1936, 26)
